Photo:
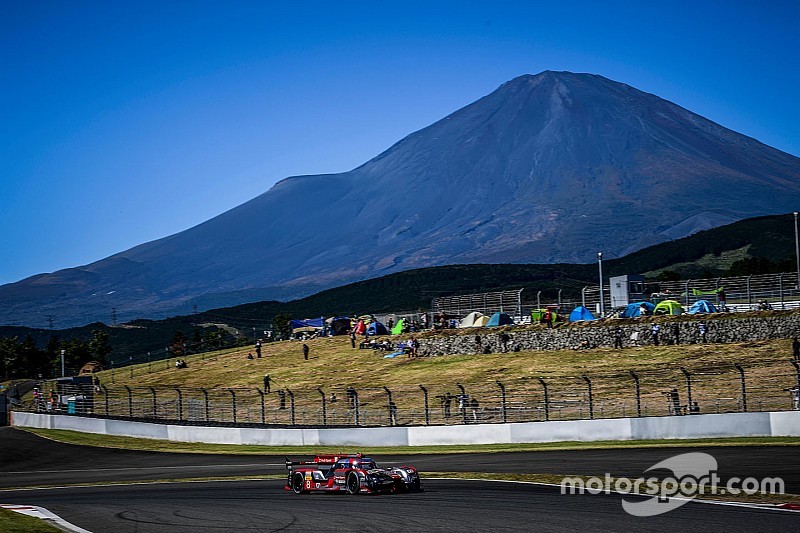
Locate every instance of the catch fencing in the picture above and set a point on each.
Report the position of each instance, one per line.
(680, 391)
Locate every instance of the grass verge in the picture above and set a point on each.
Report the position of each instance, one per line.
(12, 522)
(131, 443)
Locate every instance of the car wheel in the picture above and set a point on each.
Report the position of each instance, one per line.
(297, 483)
(353, 483)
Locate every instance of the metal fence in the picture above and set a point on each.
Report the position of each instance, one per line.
(679, 391)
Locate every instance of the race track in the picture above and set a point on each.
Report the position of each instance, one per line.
(446, 505)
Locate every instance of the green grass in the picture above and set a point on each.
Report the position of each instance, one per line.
(11, 522)
(131, 443)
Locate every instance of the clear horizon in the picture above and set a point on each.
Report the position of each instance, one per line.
(128, 122)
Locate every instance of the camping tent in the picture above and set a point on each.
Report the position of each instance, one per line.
(398, 328)
(361, 328)
(500, 319)
(668, 307)
(376, 328)
(702, 306)
(338, 325)
(635, 309)
(474, 320)
(580, 313)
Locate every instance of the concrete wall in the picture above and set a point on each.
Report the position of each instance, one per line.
(720, 328)
(777, 424)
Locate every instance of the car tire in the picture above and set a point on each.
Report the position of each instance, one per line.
(353, 484)
(297, 483)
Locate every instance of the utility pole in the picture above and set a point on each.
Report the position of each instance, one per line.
(63, 372)
(600, 268)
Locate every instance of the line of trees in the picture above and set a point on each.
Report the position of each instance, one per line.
(23, 359)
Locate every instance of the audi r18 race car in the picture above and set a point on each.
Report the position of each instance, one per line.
(353, 474)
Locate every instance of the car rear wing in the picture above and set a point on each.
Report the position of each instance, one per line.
(320, 460)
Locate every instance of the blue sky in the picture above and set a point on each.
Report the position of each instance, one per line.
(124, 122)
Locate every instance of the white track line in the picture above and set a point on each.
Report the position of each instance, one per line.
(44, 514)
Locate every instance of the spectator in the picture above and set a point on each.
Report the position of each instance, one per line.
(703, 330)
(473, 406)
(796, 349)
(267, 382)
(504, 338)
(721, 298)
(694, 409)
(249, 355)
(305, 351)
(676, 333)
(258, 349)
(617, 338)
(655, 329)
(795, 392)
(353, 338)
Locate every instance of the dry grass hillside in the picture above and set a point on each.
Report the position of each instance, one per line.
(333, 366)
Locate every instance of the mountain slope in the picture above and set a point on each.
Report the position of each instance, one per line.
(547, 168)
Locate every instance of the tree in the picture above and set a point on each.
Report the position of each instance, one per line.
(282, 326)
(100, 346)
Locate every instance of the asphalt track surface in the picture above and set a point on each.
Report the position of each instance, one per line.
(446, 505)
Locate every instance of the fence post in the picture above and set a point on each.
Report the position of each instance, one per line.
(462, 401)
(180, 403)
(686, 292)
(749, 292)
(427, 411)
(291, 404)
(352, 399)
(324, 409)
(583, 296)
(105, 395)
(688, 388)
(502, 400)
(638, 393)
(205, 396)
(539, 300)
(591, 400)
(744, 387)
(780, 289)
(155, 405)
(112, 371)
(263, 408)
(546, 401)
(130, 402)
(233, 403)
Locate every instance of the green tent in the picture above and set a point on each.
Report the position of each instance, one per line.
(668, 307)
(398, 328)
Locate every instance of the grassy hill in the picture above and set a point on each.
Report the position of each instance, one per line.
(757, 245)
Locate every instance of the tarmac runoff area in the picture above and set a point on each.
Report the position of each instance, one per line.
(27, 460)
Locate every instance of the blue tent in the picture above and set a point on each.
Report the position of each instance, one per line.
(702, 306)
(634, 310)
(581, 313)
(500, 319)
(376, 328)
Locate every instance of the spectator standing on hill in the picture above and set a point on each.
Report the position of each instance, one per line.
(655, 329)
(305, 351)
(617, 338)
(796, 349)
(353, 338)
(258, 349)
(721, 298)
(676, 333)
(267, 382)
(703, 330)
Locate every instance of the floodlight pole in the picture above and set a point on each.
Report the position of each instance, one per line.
(797, 250)
(600, 270)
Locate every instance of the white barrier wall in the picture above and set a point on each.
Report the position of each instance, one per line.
(778, 424)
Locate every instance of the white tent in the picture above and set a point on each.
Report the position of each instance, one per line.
(474, 320)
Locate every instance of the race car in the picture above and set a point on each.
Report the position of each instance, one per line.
(353, 474)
